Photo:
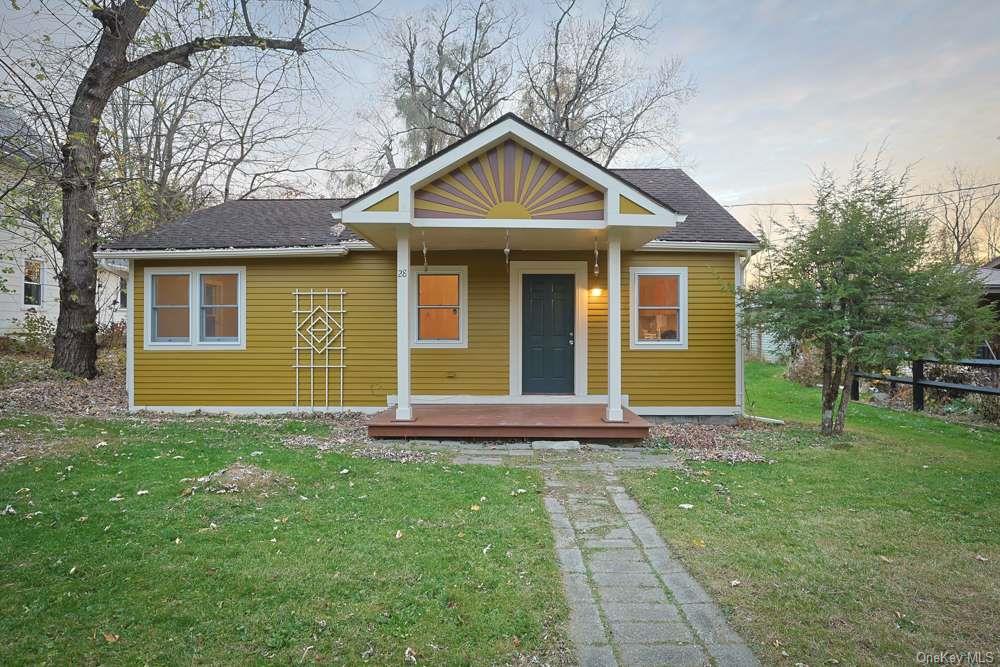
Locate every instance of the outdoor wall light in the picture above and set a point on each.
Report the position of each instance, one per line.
(595, 291)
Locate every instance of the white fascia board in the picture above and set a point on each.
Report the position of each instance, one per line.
(597, 176)
(505, 223)
(699, 246)
(359, 244)
(211, 253)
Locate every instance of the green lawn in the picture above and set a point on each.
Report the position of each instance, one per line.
(314, 573)
(860, 550)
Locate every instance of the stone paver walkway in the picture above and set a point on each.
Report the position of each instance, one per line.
(631, 603)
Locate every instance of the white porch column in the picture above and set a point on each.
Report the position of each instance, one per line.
(614, 411)
(403, 410)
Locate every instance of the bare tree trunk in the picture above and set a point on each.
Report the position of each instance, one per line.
(845, 397)
(76, 329)
(110, 68)
(829, 391)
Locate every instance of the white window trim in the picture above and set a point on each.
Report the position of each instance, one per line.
(633, 306)
(40, 283)
(463, 307)
(194, 308)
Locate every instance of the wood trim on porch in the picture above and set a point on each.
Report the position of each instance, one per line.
(578, 422)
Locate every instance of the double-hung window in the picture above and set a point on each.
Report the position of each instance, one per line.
(196, 308)
(439, 306)
(32, 282)
(658, 305)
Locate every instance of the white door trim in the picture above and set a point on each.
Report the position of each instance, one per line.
(577, 269)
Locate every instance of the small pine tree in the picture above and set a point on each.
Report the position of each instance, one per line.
(857, 281)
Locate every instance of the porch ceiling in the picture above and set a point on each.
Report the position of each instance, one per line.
(524, 235)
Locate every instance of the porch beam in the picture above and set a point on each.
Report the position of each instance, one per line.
(614, 410)
(403, 410)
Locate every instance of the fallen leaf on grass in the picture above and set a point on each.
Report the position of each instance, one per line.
(487, 548)
(735, 582)
(884, 559)
(399, 534)
(110, 637)
(475, 508)
(410, 655)
(981, 558)
(142, 492)
(686, 506)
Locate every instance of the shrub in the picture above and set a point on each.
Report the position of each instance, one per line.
(34, 331)
(111, 335)
(987, 407)
(806, 367)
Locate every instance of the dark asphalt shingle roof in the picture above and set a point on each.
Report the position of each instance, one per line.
(247, 223)
(275, 223)
(706, 219)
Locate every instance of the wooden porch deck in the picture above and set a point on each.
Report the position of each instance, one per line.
(509, 421)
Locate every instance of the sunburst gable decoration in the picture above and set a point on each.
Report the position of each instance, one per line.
(509, 181)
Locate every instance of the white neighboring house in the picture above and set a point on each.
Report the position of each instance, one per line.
(29, 264)
(28, 271)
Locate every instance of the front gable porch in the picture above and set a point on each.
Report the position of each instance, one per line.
(510, 187)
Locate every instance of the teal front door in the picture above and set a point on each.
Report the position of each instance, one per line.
(547, 318)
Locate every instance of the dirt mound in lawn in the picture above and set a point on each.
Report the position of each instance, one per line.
(244, 478)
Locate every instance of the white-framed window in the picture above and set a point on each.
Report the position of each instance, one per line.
(658, 307)
(122, 292)
(439, 306)
(196, 308)
(33, 282)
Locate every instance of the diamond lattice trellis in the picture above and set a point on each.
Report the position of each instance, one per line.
(319, 344)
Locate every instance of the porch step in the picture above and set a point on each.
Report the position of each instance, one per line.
(556, 422)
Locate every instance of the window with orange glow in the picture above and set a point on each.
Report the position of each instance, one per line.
(658, 304)
(438, 307)
(659, 308)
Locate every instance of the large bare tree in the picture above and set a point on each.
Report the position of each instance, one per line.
(452, 72)
(587, 85)
(963, 214)
(124, 48)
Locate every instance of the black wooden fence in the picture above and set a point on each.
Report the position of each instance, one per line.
(920, 383)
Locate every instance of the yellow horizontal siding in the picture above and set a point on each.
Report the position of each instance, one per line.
(262, 375)
(704, 374)
(482, 367)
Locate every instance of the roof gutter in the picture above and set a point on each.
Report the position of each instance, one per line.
(700, 246)
(211, 253)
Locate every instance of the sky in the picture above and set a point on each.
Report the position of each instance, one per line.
(785, 88)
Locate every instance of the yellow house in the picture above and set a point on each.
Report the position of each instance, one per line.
(506, 286)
